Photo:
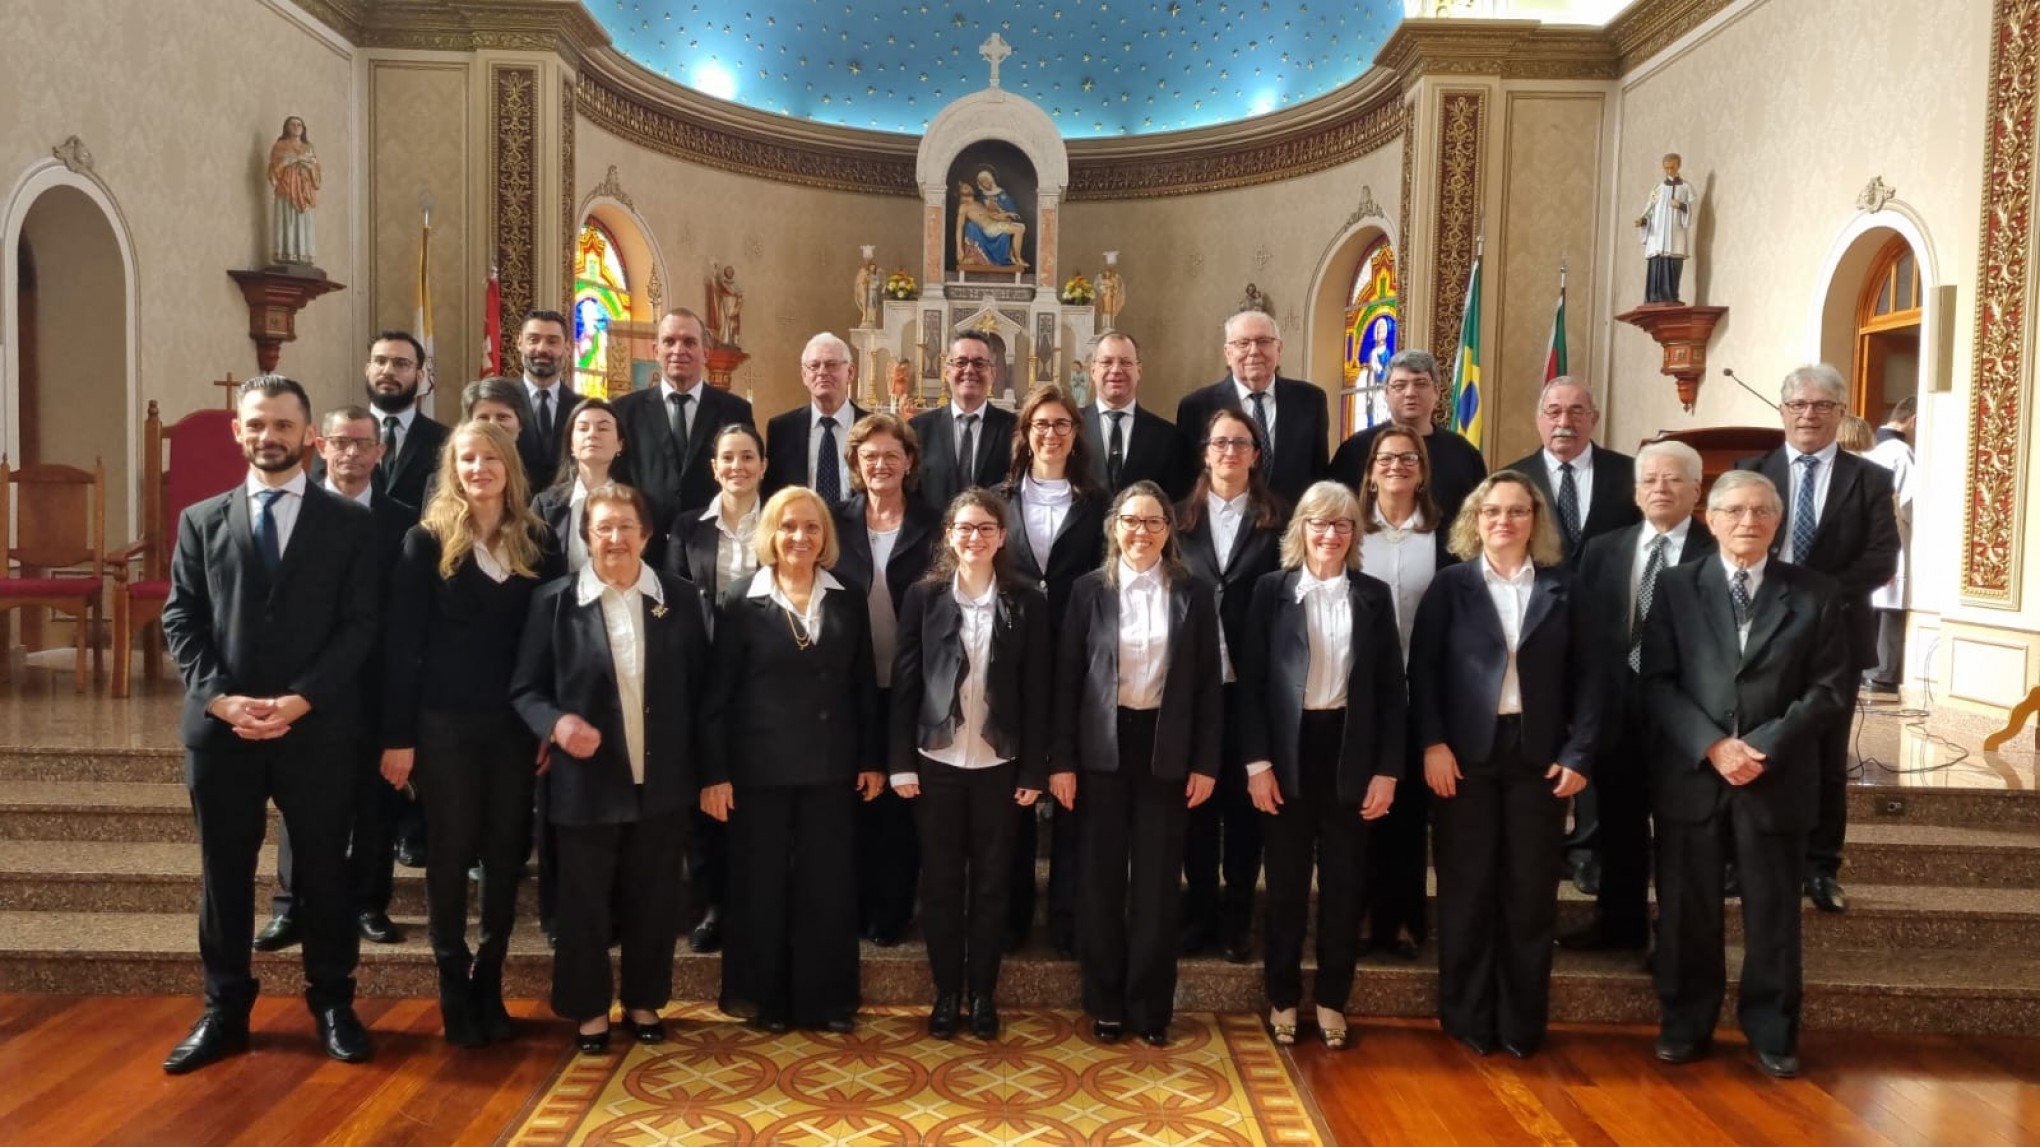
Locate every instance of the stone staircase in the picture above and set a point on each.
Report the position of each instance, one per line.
(99, 882)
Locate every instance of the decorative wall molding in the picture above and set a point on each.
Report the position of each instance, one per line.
(1875, 194)
(1456, 228)
(2001, 401)
(513, 164)
(464, 25)
(1189, 169)
(1644, 29)
(612, 186)
(73, 154)
(1511, 49)
(570, 224)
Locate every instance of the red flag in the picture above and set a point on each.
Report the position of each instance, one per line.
(492, 327)
(1554, 351)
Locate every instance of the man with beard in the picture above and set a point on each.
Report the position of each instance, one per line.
(353, 454)
(271, 616)
(410, 439)
(544, 342)
(672, 427)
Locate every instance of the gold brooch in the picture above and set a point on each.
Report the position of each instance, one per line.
(659, 610)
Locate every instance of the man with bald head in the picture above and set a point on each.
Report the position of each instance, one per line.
(804, 447)
(1588, 487)
(1294, 415)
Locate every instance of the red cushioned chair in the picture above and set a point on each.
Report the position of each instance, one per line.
(204, 460)
(53, 522)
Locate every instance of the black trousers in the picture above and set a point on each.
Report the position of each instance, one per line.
(1692, 974)
(308, 773)
(624, 880)
(708, 861)
(967, 828)
(1315, 830)
(790, 947)
(1661, 278)
(1396, 892)
(888, 859)
(371, 842)
(1065, 868)
(1622, 774)
(1224, 837)
(1498, 865)
(1831, 827)
(474, 774)
(1128, 931)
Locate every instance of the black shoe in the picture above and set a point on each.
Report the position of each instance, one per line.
(378, 928)
(457, 1019)
(280, 933)
(646, 1033)
(1108, 1031)
(1601, 936)
(1196, 937)
(1680, 1051)
(984, 1018)
(1239, 949)
(707, 935)
(841, 1025)
(1062, 936)
(486, 996)
(1521, 1049)
(1777, 1065)
(1479, 1045)
(885, 937)
(1159, 1037)
(592, 1043)
(551, 933)
(771, 1025)
(1826, 893)
(344, 1038)
(410, 854)
(1586, 875)
(215, 1036)
(942, 1019)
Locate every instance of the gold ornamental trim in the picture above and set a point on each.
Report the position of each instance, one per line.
(513, 163)
(1643, 30)
(1510, 49)
(1991, 545)
(1462, 129)
(570, 225)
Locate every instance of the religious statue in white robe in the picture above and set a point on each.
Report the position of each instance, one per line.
(1666, 230)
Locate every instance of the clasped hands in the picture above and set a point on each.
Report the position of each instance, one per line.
(259, 718)
(1736, 761)
(1441, 772)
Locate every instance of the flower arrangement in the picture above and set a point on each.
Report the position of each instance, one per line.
(1078, 292)
(900, 285)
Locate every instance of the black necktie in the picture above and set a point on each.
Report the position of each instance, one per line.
(1645, 591)
(545, 421)
(966, 452)
(267, 541)
(388, 466)
(1267, 436)
(828, 482)
(1739, 597)
(1568, 506)
(1115, 455)
(676, 421)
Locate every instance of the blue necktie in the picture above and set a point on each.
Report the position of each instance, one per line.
(266, 541)
(828, 479)
(1802, 509)
(1739, 596)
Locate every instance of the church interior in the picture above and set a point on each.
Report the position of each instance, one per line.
(1468, 177)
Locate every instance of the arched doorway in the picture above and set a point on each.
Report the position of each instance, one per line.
(1889, 309)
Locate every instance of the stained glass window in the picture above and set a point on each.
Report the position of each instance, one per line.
(1372, 328)
(601, 296)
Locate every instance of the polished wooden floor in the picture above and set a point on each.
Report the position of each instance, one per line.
(86, 1070)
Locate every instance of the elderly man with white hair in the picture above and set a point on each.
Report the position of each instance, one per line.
(804, 446)
(1294, 415)
(1838, 521)
(1619, 571)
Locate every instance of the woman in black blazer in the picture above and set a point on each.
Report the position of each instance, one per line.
(1497, 687)
(969, 741)
(885, 538)
(592, 453)
(1231, 534)
(791, 737)
(598, 648)
(1138, 690)
(1402, 542)
(456, 607)
(1324, 714)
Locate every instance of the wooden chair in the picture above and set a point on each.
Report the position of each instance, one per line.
(53, 522)
(204, 460)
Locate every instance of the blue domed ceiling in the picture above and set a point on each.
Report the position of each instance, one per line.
(1098, 67)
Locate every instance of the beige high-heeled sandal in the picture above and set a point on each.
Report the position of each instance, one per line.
(1332, 1025)
(1282, 1025)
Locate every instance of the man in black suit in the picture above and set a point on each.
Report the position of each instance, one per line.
(1293, 414)
(671, 428)
(271, 616)
(1838, 521)
(1741, 673)
(1622, 567)
(1413, 398)
(1134, 444)
(804, 447)
(546, 344)
(968, 442)
(1589, 488)
(352, 454)
(410, 439)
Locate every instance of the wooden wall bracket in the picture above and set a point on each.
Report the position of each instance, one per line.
(1683, 332)
(275, 296)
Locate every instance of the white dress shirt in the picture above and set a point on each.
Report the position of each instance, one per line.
(284, 512)
(1043, 506)
(577, 550)
(1407, 560)
(1226, 515)
(884, 622)
(1328, 618)
(1246, 396)
(1675, 543)
(969, 749)
(623, 618)
(1582, 476)
(845, 418)
(404, 418)
(1511, 596)
(967, 467)
(365, 498)
(1105, 412)
(1728, 568)
(559, 392)
(1796, 476)
(763, 584)
(492, 563)
(692, 409)
(734, 557)
(1143, 636)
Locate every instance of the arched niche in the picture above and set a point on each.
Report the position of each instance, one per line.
(610, 210)
(1324, 335)
(991, 115)
(87, 329)
(1831, 321)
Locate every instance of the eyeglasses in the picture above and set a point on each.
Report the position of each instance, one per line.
(987, 530)
(825, 366)
(892, 458)
(379, 361)
(1227, 445)
(1387, 460)
(1055, 426)
(1116, 363)
(1512, 513)
(1758, 513)
(353, 445)
(1411, 385)
(1824, 407)
(1337, 527)
(971, 363)
(1132, 524)
(1244, 345)
(617, 530)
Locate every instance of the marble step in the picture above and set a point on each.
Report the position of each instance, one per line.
(1883, 989)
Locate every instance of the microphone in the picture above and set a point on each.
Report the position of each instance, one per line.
(1753, 390)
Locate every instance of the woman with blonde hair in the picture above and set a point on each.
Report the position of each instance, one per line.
(791, 737)
(1507, 718)
(452, 620)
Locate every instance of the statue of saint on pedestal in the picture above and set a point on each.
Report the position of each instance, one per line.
(294, 178)
(1111, 296)
(870, 283)
(725, 305)
(1665, 228)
